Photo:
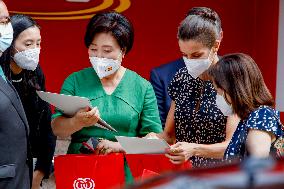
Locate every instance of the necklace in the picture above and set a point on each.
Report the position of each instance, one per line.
(17, 80)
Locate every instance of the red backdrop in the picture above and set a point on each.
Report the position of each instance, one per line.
(249, 26)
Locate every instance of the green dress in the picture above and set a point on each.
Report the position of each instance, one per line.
(131, 109)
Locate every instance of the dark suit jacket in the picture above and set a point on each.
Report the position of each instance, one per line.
(38, 114)
(15, 158)
(160, 78)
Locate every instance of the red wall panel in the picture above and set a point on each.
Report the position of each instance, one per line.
(249, 26)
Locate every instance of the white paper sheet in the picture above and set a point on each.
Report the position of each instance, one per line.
(69, 105)
(135, 145)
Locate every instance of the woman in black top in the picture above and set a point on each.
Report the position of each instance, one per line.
(197, 128)
(20, 65)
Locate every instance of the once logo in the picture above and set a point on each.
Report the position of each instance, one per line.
(84, 183)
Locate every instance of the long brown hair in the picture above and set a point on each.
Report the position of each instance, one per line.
(239, 76)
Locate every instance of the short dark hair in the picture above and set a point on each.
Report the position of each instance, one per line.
(201, 24)
(111, 22)
(239, 76)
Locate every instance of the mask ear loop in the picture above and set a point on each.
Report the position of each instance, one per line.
(120, 56)
(16, 49)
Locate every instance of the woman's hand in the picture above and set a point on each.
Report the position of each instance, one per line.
(86, 117)
(37, 178)
(107, 147)
(181, 152)
(151, 136)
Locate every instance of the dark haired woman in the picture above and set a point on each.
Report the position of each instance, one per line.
(196, 127)
(20, 65)
(125, 100)
(241, 90)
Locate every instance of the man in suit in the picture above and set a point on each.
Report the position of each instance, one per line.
(160, 77)
(15, 158)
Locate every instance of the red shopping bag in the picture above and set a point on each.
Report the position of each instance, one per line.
(148, 174)
(156, 163)
(76, 171)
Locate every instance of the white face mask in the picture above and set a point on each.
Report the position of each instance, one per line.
(105, 66)
(221, 103)
(27, 59)
(196, 67)
(6, 37)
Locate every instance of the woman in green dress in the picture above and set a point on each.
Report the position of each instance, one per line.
(119, 96)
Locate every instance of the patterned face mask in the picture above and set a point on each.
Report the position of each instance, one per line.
(27, 59)
(105, 66)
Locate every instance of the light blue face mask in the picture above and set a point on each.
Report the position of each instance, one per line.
(6, 36)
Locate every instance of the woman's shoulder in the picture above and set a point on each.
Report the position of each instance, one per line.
(136, 79)
(265, 118)
(84, 71)
(265, 112)
(134, 87)
(81, 74)
(39, 71)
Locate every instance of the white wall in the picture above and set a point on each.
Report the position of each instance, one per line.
(280, 65)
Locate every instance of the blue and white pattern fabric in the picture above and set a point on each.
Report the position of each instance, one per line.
(264, 118)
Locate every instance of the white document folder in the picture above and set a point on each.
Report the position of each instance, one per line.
(135, 145)
(69, 105)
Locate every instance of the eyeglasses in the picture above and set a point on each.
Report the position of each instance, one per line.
(5, 20)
